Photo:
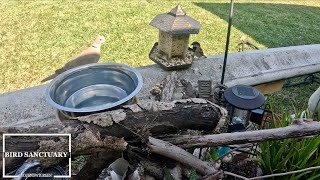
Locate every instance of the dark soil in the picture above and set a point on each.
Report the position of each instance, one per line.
(244, 168)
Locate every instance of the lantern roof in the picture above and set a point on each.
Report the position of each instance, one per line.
(176, 22)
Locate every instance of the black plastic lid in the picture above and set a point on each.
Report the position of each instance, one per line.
(244, 97)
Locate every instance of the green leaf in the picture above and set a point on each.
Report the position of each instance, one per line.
(298, 177)
(167, 174)
(310, 149)
(314, 177)
(213, 154)
(193, 175)
(289, 154)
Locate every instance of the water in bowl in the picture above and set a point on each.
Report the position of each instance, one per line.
(95, 95)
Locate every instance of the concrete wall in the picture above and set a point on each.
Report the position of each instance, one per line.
(28, 106)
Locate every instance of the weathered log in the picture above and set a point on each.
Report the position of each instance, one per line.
(97, 162)
(131, 122)
(299, 128)
(169, 85)
(112, 130)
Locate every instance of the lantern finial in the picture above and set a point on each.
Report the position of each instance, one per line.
(178, 11)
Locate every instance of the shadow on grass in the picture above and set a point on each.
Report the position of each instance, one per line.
(274, 25)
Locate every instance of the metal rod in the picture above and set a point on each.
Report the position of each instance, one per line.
(227, 42)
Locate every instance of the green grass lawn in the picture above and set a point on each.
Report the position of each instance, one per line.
(37, 37)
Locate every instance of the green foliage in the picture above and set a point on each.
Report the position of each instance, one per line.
(193, 175)
(78, 163)
(38, 37)
(289, 154)
(167, 174)
(213, 154)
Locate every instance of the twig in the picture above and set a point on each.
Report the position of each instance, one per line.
(235, 175)
(211, 176)
(130, 130)
(171, 151)
(144, 128)
(286, 173)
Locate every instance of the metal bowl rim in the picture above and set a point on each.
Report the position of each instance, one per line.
(96, 108)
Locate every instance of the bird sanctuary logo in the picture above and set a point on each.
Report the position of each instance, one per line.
(40, 153)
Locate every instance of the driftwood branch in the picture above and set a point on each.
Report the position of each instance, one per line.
(299, 128)
(171, 151)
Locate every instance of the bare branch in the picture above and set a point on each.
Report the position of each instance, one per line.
(299, 128)
(171, 151)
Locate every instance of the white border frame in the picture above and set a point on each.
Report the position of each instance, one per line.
(3, 151)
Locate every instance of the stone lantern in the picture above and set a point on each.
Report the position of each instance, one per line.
(172, 51)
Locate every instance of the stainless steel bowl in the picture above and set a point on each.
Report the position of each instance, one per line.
(93, 87)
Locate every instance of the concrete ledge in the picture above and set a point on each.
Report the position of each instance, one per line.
(28, 106)
(25, 107)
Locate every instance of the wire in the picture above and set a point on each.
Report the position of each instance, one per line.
(234, 175)
(227, 41)
(271, 175)
(286, 173)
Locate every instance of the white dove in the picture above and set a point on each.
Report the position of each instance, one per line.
(87, 56)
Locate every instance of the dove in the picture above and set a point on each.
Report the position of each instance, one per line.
(87, 56)
(196, 48)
